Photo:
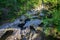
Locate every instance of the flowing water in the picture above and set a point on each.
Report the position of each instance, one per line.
(25, 25)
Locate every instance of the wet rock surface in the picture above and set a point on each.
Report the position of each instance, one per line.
(25, 28)
(6, 34)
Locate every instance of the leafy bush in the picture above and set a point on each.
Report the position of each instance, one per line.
(54, 9)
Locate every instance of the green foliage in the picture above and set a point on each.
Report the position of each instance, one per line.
(54, 9)
(10, 9)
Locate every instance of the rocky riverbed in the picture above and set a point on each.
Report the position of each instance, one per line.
(27, 27)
